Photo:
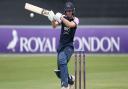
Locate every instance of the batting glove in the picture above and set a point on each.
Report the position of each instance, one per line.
(51, 15)
(57, 17)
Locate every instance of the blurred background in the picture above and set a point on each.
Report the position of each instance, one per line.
(27, 45)
(90, 12)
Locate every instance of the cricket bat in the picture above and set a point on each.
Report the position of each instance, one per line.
(36, 9)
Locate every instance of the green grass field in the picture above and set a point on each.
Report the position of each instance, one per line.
(36, 72)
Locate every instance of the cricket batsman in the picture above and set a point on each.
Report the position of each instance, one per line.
(69, 24)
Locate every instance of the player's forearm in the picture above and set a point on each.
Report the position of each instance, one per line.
(54, 24)
(68, 23)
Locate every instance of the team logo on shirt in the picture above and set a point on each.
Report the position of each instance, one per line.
(66, 30)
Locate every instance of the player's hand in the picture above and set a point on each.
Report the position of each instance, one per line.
(54, 23)
(57, 17)
(51, 15)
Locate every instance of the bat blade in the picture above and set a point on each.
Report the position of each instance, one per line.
(36, 9)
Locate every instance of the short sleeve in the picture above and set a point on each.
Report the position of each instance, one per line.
(76, 20)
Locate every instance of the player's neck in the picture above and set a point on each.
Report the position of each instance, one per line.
(70, 17)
